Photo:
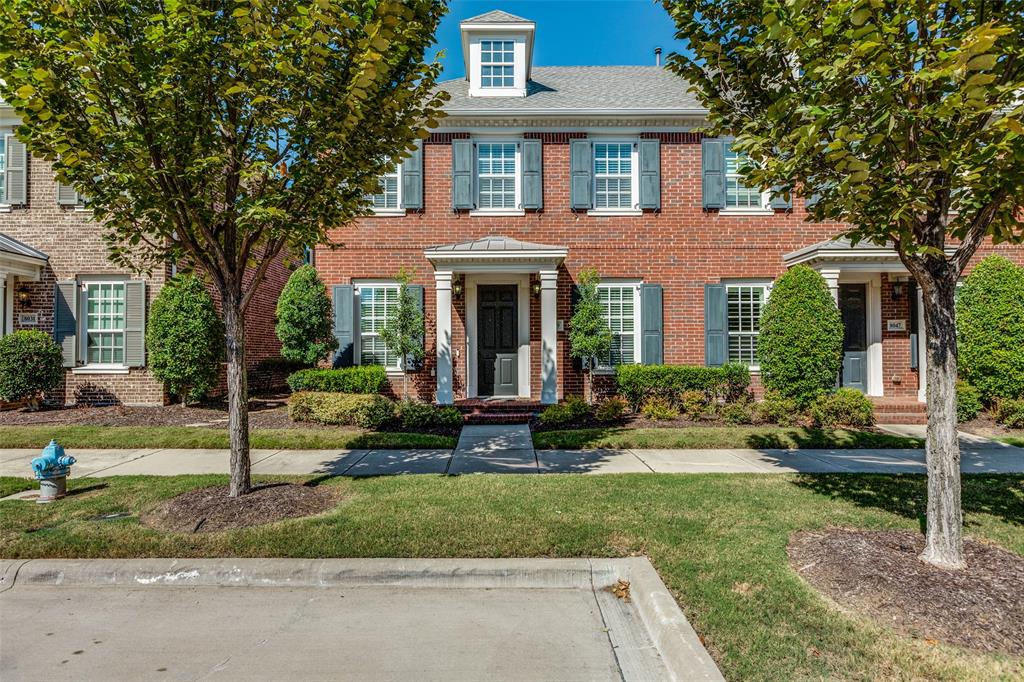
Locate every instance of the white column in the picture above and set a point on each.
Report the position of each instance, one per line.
(549, 336)
(4, 327)
(443, 285)
(922, 351)
(832, 279)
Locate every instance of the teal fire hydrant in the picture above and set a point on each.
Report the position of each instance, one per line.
(52, 469)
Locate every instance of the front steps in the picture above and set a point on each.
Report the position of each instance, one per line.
(900, 411)
(496, 411)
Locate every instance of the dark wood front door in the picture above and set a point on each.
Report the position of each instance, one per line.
(497, 340)
(853, 304)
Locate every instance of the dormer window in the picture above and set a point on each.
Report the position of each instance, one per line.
(497, 64)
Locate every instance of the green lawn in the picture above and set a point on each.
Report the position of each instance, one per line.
(201, 437)
(719, 437)
(718, 541)
(1013, 440)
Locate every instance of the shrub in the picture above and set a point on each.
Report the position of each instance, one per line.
(990, 325)
(737, 413)
(358, 379)
(637, 383)
(304, 318)
(30, 364)
(800, 347)
(1010, 413)
(279, 364)
(573, 409)
(845, 407)
(590, 337)
(185, 338)
(968, 402)
(413, 415)
(449, 417)
(774, 409)
(367, 411)
(659, 409)
(693, 402)
(611, 409)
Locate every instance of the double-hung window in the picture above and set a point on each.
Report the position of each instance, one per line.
(739, 196)
(3, 169)
(376, 303)
(497, 64)
(389, 198)
(745, 302)
(104, 323)
(497, 165)
(615, 177)
(620, 303)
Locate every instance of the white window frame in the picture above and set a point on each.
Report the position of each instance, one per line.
(83, 327)
(502, 64)
(4, 204)
(602, 366)
(634, 185)
(766, 287)
(357, 354)
(766, 197)
(397, 210)
(517, 209)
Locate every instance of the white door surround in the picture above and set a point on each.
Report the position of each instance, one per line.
(522, 284)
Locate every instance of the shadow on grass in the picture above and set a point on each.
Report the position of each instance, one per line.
(999, 495)
(824, 439)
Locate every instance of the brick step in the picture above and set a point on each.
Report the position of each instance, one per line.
(901, 418)
(496, 407)
(497, 418)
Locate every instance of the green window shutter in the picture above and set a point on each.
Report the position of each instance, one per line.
(716, 325)
(574, 301)
(412, 179)
(135, 323)
(66, 195)
(411, 363)
(344, 321)
(65, 320)
(462, 175)
(581, 171)
(650, 174)
(533, 175)
(713, 172)
(779, 200)
(652, 325)
(16, 172)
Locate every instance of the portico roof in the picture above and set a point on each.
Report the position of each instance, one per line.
(20, 259)
(842, 253)
(494, 252)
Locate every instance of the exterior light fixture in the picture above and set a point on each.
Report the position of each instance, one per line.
(457, 288)
(24, 294)
(535, 288)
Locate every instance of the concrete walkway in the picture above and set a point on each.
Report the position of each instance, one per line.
(310, 619)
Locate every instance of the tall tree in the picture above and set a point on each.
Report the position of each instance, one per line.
(403, 329)
(590, 338)
(904, 118)
(221, 131)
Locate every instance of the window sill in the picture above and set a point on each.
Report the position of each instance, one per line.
(100, 369)
(387, 213)
(746, 211)
(603, 212)
(485, 213)
(5, 208)
(82, 209)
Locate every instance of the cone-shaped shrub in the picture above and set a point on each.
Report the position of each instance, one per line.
(800, 348)
(304, 318)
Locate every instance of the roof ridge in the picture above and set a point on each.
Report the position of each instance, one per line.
(496, 16)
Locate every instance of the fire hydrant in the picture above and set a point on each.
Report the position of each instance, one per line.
(52, 469)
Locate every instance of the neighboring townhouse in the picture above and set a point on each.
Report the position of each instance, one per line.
(55, 277)
(539, 172)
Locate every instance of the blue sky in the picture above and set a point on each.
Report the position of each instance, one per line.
(571, 32)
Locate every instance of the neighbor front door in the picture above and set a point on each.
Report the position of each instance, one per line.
(498, 341)
(853, 304)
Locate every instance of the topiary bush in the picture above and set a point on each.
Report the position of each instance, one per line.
(800, 348)
(968, 402)
(358, 379)
(990, 328)
(845, 407)
(365, 410)
(185, 338)
(304, 318)
(637, 383)
(30, 364)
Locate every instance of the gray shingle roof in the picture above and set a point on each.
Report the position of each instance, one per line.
(492, 244)
(13, 246)
(496, 16)
(583, 88)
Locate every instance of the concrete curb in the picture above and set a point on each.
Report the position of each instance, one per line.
(677, 643)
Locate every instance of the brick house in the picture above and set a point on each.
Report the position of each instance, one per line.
(55, 277)
(539, 172)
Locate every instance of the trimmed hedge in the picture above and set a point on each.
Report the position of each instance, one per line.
(990, 326)
(800, 346)
(845, 407)
(366, 410)
(30, 364)
(574, 408)
(638, 383)
(414, 415)
(358, 379)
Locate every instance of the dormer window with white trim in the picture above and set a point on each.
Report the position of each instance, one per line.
(497, 64)
(497, 48)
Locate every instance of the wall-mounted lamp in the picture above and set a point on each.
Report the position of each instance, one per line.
(24, 294)
(535, 289)
(898, 289)
(457, 288)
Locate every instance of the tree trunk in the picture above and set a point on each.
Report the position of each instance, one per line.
(238, 396)
(944, 543)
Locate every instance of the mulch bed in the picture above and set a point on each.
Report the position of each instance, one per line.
(208, 510)
(985, 425)
(878, 574)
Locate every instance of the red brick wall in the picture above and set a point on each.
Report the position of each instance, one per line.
(682, 247)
